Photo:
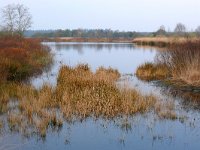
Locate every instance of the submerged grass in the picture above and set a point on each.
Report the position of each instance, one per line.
(166, 110)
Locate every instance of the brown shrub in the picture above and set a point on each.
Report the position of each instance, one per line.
(21, 58)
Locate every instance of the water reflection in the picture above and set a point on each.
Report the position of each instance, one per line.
(124, 57)
(143, 132)
(94, 46)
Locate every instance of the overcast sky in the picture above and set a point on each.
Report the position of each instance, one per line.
(137, 15)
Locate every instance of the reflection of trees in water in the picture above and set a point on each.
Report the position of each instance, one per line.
(97, 47)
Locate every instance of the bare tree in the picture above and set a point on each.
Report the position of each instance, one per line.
(16, 18)
(161, 31)
(180, 29)
(198, 31)
(8, 16)
(162, 27)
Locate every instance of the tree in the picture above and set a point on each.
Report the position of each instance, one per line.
(180, 29)
(198, 31)
(16, 18)
(161, 31)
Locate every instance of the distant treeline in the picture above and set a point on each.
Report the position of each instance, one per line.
(84, 33)
(180, 30)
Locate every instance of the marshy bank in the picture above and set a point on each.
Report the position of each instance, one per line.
(178, 66)
(163, 41)
(86, 40)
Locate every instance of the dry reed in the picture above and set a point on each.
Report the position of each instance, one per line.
(151, 71)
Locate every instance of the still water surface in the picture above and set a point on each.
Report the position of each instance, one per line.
(143, 131)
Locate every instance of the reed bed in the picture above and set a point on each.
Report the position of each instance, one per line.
(161, 41)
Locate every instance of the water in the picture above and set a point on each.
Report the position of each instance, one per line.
(142, 132)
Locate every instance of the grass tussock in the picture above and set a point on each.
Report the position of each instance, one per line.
(84, 93)
(151, 71)
(21, 58)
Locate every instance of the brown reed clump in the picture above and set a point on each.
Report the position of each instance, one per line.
(83, 93)
(151, 71)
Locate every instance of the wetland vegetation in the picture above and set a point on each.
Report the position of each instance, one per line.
(178, 64)
(81, 79)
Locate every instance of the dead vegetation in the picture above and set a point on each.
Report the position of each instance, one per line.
(151, 71)
(84, 93)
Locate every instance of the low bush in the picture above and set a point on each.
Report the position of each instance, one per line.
(21, 58)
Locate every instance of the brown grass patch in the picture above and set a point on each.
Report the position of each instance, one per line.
(84, 93)
(150, 71)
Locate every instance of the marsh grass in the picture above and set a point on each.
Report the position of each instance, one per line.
(84, 93)
(184, 62)
(151, 71)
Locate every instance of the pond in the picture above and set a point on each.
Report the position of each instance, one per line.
(138, 132)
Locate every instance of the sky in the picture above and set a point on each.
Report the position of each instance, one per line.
(123, 15)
